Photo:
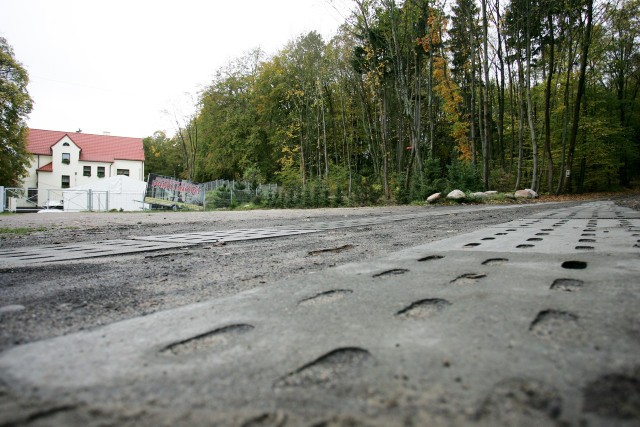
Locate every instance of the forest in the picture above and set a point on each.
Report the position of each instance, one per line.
(414, 97)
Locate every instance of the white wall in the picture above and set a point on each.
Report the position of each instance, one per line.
(136, 168)
(45, 181)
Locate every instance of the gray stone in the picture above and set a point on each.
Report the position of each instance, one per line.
(527, 193)
(456, 195)
(434, 197)
(480, 195)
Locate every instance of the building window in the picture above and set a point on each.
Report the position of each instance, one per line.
(65, 181)
(122, 172)
(86, 171)
(66, 144)
(100, 171)
(32, 195)
(66, 158)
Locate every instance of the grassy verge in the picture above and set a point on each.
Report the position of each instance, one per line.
(20, 231)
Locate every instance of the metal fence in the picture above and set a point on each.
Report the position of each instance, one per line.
(19, 200)
(224, 193)
(239, 186)
(218, 194)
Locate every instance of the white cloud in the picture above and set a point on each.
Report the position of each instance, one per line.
(116, 65)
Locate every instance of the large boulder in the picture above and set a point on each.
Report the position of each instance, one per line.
(480, 195)
(456, 195)
(434, 197)
(527, 193)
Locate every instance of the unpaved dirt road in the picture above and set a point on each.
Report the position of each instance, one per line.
(51, 300)
(65, 297)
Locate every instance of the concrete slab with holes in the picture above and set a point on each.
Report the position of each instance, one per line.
(17, 257)
(445, 333)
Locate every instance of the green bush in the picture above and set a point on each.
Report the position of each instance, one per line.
(463, 176)
(339, 197)
(219, 198)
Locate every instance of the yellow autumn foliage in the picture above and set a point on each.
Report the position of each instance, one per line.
(445, 87)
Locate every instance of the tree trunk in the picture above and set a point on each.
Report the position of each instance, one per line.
(472, 110)
(486, 148)
(501, 97)
(512, 114)
(547, 102)
(581, 86)
(384, 133)
(565, 116)
(521, 124)
(532, 127)
(324, 141)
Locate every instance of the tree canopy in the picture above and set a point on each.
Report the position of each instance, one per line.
(15, 105)
(411, 97)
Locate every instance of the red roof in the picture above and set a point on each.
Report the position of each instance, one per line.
(93, 148)
(46, 168)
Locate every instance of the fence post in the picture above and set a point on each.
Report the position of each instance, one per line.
(2, 199)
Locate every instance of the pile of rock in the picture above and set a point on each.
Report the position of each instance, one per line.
(460, 195)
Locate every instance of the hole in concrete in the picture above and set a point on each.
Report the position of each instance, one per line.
(488, 238)
(574, 265)
(587, 240)
(587, 235)
(524, 246)
(501, 234)
(430, 258)
(471, 245)
(584, 248)
(392, 272)
(511, 229)
(547, 229)
(589, 230)
(615, 395)
(468, 278)
(554, 324)
(542, 234)
(495, 261)
(568, 285)
(326, 297)
(534, 239)
(215, 338)
(342, 364)
(424, 308)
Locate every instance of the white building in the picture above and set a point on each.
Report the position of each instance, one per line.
(69, 159)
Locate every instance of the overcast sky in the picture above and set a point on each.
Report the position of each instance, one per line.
(116, 65)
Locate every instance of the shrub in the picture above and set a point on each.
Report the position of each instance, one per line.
(463, 176)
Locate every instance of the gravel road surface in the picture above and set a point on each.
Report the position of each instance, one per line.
(40, 301)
